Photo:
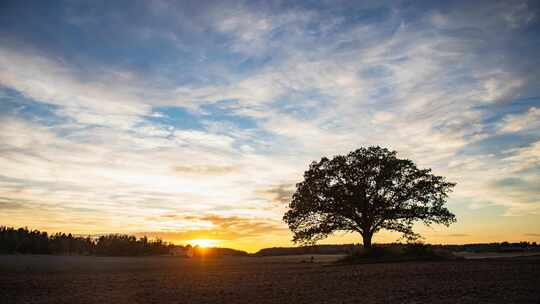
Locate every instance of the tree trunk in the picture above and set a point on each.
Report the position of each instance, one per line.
(367, 240)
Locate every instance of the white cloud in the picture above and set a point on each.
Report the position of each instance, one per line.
(382, 117)
(252, 31)
(525, 158)
(52, 81)
(199, 138)
(529, 120)
(122, 175)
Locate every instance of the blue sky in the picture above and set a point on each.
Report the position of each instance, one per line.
(195, 119)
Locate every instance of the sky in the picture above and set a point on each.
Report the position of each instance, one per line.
(195, 119)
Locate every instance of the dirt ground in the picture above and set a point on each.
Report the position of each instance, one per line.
(53, 279)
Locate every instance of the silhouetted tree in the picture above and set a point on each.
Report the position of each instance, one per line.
(60, 243)
(365, 191)
(23, 240)
(127, 245)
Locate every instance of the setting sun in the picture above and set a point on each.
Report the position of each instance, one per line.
(205, 243)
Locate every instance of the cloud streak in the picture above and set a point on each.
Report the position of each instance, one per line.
(218, 114)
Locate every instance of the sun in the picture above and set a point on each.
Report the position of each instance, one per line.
(204, 243)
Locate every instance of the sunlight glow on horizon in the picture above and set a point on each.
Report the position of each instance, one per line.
(204, 243)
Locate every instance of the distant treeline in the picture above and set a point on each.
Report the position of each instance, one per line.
(348, 248)
(493, 247)
(25, 241)
(316, 249)
(216, 251)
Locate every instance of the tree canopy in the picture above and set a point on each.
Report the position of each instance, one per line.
(365, 191)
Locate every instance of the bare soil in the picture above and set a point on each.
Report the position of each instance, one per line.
(54, 279)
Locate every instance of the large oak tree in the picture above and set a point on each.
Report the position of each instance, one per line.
(365, 191)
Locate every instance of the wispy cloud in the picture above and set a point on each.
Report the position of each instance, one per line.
(521, 122)
(219, 112)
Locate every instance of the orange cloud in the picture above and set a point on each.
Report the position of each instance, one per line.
(232, 228)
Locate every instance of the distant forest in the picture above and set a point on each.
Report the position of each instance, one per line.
(25, 241)
(348, 248)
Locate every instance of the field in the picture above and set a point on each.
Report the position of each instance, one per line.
(72, 279)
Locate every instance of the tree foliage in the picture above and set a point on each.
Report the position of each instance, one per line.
(365, 191)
